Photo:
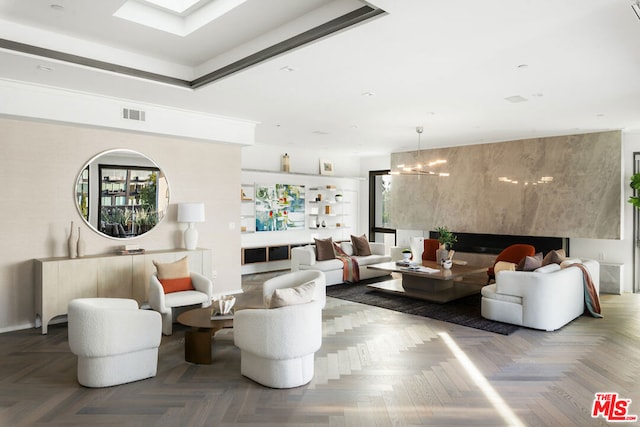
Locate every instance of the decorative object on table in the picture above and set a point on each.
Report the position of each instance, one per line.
(81, 246)
(338, 198)
(72, 243)
(446, 264)
(223, 305)
(191, 213)
(324, 224)
(286, 165)
(327, 210)
(130, 250)
(406, 254)
(326, 167)
(417, 247)
(280, 207)
(446, 239)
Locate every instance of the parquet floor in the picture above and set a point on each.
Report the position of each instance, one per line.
(376, 368)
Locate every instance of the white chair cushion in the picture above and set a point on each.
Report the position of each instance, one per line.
(180, 299)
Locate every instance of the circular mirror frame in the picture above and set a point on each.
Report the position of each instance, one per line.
(129, 213)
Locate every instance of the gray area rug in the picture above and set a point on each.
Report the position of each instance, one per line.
(464, 311)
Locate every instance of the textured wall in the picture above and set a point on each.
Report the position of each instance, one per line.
(38, 169)
(583, 200)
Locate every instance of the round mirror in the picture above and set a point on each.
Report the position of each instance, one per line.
(122, 194)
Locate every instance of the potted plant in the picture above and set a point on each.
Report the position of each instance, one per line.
(446, 239)
(338, 197)
(406, 254)
(635, 184)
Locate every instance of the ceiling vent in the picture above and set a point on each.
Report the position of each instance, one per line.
(131, 114)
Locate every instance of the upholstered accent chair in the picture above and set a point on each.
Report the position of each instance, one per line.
(114, 340)
(513, 254)
(164, 303)
(430, 248)
(278, 344)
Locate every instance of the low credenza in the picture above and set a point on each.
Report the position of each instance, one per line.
(61, 279)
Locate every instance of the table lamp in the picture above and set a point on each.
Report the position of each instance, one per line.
(191, 213)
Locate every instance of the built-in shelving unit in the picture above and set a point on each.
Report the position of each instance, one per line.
(247, 208)
(328, 211)
(264, 251)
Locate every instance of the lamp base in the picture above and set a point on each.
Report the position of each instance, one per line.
(190, 238)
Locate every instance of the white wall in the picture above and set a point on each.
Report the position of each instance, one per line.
(38, 168)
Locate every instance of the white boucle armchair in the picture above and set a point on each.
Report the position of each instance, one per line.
(278, 344)
(114, 340)
(165, 303)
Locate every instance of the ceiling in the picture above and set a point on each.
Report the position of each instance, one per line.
(454, 67)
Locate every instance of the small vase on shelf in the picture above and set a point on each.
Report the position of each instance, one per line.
(72, 243)
(81, 245)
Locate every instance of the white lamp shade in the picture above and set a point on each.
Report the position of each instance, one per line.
(191, 212)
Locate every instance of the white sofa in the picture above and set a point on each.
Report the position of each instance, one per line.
(547, 298)
(278, 344)
(304, 258)
(114, 340)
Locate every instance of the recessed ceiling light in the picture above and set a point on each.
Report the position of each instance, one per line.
(521, 66)
(44, 68)
(320, 132)
(57, 7)
(368, 94)
(287, 69)
(600, 115)
(516, 98)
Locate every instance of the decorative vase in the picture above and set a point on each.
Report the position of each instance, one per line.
(324, 224)
(286, 165)
(417, 248)
(72, 243)
(81, 245)
(338, 198)
(442, 254)
(406, 256)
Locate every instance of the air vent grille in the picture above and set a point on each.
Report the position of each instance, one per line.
(131, 114)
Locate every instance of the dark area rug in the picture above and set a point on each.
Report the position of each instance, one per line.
(464, 311)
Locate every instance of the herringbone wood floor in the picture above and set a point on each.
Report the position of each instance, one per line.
(376, 368)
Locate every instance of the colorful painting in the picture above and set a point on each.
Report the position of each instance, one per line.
(279, 207)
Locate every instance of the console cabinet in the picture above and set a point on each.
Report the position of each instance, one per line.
(59, 280)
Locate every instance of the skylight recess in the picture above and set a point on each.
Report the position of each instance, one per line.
(179, 17)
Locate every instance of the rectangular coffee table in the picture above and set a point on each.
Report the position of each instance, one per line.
(431, 282)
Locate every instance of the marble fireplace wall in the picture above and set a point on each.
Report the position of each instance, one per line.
(583, 199)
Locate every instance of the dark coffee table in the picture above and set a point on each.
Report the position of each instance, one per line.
(198, 341)
(431, 282)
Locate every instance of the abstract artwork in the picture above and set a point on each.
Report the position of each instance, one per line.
(280, 207)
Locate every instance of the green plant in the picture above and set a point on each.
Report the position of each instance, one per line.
(635, 184)
(446, 237)
(406, 251)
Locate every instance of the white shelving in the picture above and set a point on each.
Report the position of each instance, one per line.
(247, 208)
(329, 212)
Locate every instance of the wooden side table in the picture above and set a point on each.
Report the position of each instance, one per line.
(198, 341)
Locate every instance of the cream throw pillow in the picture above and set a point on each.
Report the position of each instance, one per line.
(174, 276)
(504, 266)
(300, 294)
